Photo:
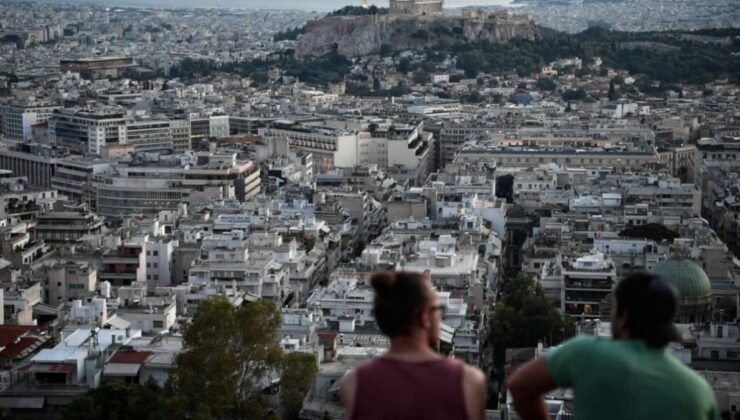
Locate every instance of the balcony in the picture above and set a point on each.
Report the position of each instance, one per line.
(587, 300)
(605, 286)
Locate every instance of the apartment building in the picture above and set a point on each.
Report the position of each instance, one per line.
(144, 185)
(70, 281)
(87, 131)
(586, 283)
(19, 117)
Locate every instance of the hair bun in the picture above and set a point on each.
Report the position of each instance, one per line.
(383, 282)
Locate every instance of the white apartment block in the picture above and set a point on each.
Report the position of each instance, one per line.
(159, 261)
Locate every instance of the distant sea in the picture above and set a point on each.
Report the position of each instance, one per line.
(319, 5)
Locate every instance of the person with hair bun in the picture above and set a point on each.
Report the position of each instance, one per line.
(630, 377)
(412, 381)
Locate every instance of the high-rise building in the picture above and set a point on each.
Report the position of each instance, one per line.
(85, 131)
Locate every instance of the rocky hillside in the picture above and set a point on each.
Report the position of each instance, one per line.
(361, 35)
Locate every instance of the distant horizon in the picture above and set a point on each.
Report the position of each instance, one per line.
(323, 5)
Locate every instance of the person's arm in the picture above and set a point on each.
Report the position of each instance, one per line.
(713, 413)
(528, 385)
(474, 391)
(347, 392)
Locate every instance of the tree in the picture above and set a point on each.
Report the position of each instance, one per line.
(473, 97)
(376, 83)
(583, 71)
(359, 11)
(545, 83)
(289, 34)
(259, 78)
(470, 62)
(227, 353)
(420, 77)
(574, 95)
(120, 402)
(404, 65)
(612, 91)
(386, 50)
(298, 372)
(524, 317)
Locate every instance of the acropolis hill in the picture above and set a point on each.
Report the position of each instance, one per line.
(409, 25)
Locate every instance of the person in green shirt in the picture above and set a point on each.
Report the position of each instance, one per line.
(629, 377)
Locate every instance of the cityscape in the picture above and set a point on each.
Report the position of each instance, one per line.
(194, 199)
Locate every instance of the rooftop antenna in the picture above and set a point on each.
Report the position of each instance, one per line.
(93, 341)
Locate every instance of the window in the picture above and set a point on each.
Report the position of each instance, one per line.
(714, 354)
(731, 354)
(155, 253)
(158, 324)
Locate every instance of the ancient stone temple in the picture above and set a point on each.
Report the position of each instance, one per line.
(416, 7)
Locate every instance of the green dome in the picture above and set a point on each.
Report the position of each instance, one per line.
(690, 279)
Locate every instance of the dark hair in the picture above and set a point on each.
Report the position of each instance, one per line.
(399, 300)
(650, 304)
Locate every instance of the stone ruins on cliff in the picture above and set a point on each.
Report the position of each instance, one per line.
(410, 25)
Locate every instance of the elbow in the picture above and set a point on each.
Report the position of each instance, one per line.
(517, 386)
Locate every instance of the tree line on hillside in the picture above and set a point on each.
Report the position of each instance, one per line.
(663, 59)
(359, 11)
(678, 60)
(330, 68)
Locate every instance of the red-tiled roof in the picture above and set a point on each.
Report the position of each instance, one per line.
(327, 335)
(10, 333)
(130, 356)
(11, 351)
(49, 367)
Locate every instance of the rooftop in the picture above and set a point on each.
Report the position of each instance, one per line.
(130, 356)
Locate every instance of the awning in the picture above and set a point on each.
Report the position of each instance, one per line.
(43, 309)
(22, 402)
(121, 369)
(118, 323)
(49, 368)
(446, 332)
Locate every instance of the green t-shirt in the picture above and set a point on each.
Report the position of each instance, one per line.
(627, 380)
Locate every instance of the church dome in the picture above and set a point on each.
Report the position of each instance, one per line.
(690, 279)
